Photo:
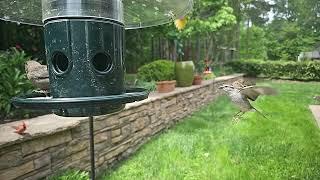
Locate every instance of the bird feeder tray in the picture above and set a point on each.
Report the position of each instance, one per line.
(80, 106)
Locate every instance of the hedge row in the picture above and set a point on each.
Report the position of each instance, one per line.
(305, 70)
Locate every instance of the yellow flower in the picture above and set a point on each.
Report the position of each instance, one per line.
(180, 23)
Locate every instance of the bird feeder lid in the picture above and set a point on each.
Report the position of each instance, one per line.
(132, 13)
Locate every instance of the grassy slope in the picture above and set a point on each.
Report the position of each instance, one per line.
(208, 145)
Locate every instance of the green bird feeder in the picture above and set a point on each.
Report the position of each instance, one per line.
(84, 42)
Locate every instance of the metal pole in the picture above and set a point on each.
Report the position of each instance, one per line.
(91, 139)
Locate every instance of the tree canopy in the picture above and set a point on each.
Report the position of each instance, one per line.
(294, 28)
(263, 29)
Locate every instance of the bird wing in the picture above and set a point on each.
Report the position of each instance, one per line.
(35, 70)
(253, 92)
(42, 72)
(42, 84)
(239, 84)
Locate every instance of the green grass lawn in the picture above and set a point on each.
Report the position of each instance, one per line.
(208, 145)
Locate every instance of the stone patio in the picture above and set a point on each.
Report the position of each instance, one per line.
(315, 109)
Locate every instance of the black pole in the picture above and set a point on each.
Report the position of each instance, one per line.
(91, 139)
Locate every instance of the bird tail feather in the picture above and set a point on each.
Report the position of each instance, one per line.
(260, 113)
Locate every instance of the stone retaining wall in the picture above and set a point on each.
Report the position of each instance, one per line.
(54, 143)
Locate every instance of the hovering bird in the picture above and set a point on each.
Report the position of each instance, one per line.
(20, 129)
(317, 98)
(38, 75)
(241, 93)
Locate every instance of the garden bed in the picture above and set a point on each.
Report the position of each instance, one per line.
(54, 143)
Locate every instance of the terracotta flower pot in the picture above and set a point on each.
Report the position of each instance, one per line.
(166, 86)
(197, 80)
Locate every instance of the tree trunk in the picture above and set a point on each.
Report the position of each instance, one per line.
(175, 50)
(159, 47)
(198, 49)
(152, 48)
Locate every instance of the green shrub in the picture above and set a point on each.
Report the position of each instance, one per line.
(150, 86)
(306, 70)
(208, 76)
(221, 70)
(159, 70)
(13, 80)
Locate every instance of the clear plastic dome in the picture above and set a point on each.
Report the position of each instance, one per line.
(132, 13)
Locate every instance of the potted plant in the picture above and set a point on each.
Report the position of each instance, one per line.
(199, 68)
(166, 86)
(197, 79)
(208, 74)
(161, 71)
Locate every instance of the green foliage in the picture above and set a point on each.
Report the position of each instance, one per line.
(199, 66)
(295, 28)
(137, 48)
(23, 37)
(204, 23)
(253, 43)
(150, 86)
(220, 70)
(255, 11)
(71, 175)
(286, 40)
(305, 13)
(306, 70)
(208, 76)
(132, 81)
(13, 79)
(160, 70)
(207, 17)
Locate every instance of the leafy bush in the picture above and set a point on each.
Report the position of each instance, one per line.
(199, 66)
(257, 46)
(221, 70)
(160, 70)
(306, 70)
(132, 81)
(208, 76)
(13, 80)
(150, 86)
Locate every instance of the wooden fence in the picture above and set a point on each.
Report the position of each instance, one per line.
(192, 49)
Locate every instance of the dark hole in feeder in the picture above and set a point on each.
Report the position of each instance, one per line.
(102, 62)
(60, 62)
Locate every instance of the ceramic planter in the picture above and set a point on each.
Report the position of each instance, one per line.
(184, 73)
